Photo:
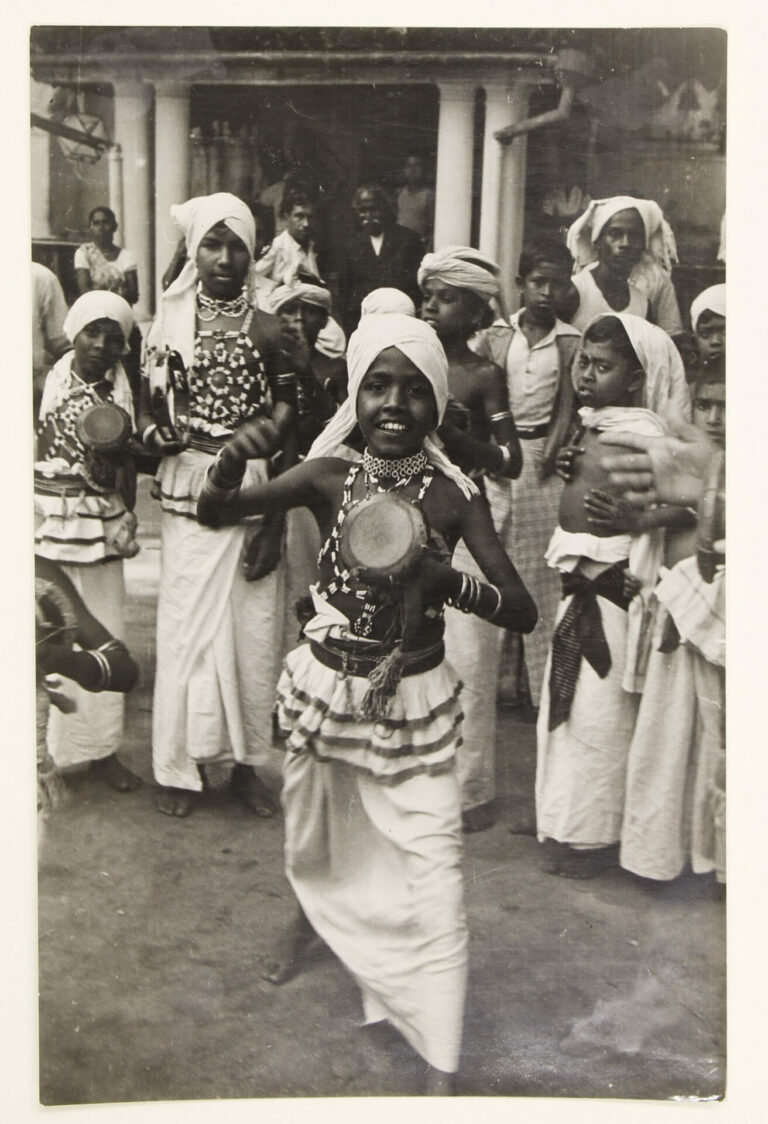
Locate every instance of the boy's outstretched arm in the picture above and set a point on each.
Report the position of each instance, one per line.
(513, 607)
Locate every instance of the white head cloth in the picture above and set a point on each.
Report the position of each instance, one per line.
(98, 304)
(711, 300)
(583, 234)
(387, 300)
(419, 343)
(175, 324)
(665, 391)
(461, 267)
(297, 291)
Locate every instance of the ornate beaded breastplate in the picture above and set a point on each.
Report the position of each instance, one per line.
(227, 382)
(61, 425)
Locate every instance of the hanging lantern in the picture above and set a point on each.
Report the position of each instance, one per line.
(80, 153)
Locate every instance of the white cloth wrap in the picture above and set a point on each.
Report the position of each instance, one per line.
(377, 870)
(461, 267)
(664, 391)
(645, 551)
(710, 300)
(387, 300)
(98, 304)
(95, 729)
(419, 343)
(583, 234)
(298, 290)
(220, 639)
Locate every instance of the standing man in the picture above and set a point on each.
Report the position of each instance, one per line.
(416, 200)
(380, 254)
(49, 343)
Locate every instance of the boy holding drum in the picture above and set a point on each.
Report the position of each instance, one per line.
(370, 708)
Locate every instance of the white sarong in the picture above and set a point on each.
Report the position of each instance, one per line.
(95, 729)
(525, 514)
(377, 870)
(581, 764)
(219, 638)
(473, 649)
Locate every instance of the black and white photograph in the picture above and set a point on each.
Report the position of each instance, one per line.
(378, 423)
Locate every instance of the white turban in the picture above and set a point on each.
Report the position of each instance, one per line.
(711, 300)
(461, 267)
(583, 234)
(387, 300)
(98, 304)
(419, 343)
(196, 217)
(298, 291)
(665, 391)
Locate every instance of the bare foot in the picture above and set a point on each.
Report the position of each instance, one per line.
(479, 818)
(174, 801)
(249, 788)
(285, 959)
(115, 774)
(439, 1084)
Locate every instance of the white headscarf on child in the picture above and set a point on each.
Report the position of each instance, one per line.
(387, 300)
(175, 323)
(419, 343)
(711, 300)
(99, 304)
(461, 267)
(665, 391)
(583, 234)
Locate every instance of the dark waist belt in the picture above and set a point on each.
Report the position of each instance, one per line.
(204, 443)
(347, 658)
(579, 635)
(531, 432)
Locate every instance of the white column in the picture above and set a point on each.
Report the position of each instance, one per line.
(503, 186)
(453, 187)
(171, 167)
(512, 211)
(115, 163)
(132, 106)
(40, 161)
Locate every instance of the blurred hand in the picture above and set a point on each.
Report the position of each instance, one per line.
(668, 469)
(294, 342)
(255, 440)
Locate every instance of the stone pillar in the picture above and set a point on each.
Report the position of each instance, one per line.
(502, 197)
(512, 211)
(132, 105)
(115, 163)
(171, 168)
(453, 187)
(40, 161)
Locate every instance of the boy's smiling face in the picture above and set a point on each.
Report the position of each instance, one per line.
(396, 407)
(606, 378)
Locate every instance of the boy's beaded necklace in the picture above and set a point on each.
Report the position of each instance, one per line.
(208, 308)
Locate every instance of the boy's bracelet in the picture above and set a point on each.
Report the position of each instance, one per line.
(469, 598)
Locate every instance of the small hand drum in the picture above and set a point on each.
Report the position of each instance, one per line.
(104, 428)
(383, 536)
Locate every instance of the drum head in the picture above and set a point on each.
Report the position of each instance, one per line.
(382, 535)
(104, 427)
